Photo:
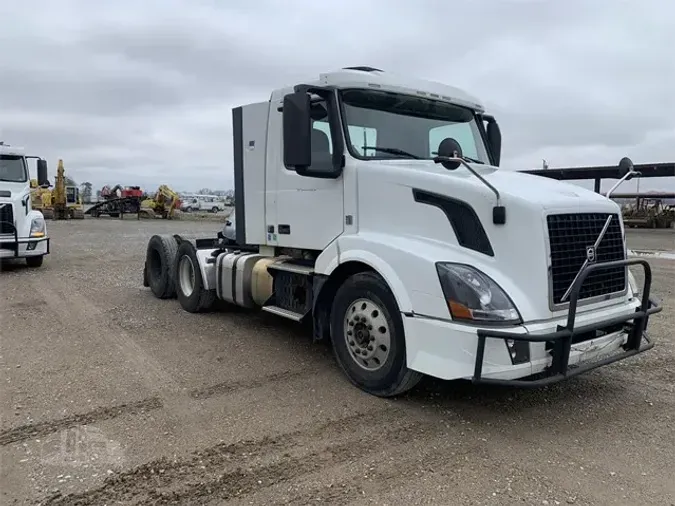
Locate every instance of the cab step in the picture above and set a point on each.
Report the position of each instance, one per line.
(286, 313)
(291, 267)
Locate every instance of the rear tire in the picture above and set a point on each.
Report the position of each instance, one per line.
(368, 336)
(35, 262)
(189, 284)
(160, 260)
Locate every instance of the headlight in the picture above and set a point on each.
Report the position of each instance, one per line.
(37, 227)
(633, 284)
(473, 296)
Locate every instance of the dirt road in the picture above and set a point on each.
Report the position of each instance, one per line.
(109, 396)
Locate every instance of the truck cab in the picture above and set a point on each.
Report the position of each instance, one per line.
(373, 206)
(23, 231)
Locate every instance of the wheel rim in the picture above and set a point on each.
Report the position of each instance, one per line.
(367, 334)
(186, 275)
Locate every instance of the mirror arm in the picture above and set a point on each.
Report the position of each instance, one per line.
(313, 97)
(628, 174)
(440, 159)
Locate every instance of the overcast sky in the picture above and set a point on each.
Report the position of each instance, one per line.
(140, 92)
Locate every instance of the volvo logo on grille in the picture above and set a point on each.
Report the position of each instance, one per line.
(590, 257)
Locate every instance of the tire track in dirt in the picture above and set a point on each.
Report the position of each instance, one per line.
(97, 415)
(241, 481)
(250, 383)
(395, 473)
(89, 318)
(224, 471)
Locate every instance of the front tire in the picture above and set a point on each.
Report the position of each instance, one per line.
(189, 284)
(368, 336)
(35, 261)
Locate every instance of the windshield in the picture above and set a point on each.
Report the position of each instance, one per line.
(384, 125)
(13, 169)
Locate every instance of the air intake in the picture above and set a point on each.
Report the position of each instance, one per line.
(364, 69)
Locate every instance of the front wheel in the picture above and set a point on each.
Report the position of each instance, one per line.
(368, 336)
(35, 261)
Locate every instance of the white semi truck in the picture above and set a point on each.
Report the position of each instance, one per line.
(372, 207)
(23, 231)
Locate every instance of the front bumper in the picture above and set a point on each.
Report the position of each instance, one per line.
(559, 343)
(13, 246)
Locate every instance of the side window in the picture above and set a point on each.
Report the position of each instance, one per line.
(363, 136)
(461, 132)
(359, 136)
(318, 141)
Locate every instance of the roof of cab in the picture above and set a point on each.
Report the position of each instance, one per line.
(6, 149)
(369, 77)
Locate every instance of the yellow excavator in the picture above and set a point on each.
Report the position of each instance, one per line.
(74, 203)
(163, 203)
(60, 202)
(41, 199)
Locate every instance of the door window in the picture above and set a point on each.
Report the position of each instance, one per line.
(359, 136)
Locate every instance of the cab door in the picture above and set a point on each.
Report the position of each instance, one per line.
(302, 212)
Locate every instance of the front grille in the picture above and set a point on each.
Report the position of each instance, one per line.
(6, 219)
(569, 236)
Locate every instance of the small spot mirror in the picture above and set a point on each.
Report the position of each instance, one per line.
(449, 148)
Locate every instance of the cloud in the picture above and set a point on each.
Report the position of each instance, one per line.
(141, 92)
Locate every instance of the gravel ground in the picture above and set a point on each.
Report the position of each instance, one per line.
(112, 396)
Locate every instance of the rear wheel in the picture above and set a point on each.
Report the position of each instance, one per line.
(214, 210)
(189, 284)
(35, 261)
(160, 262)
(368, 336)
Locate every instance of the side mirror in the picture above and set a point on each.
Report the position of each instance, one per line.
(449, 148)
(626, 171)
(297, 126)
(494, 136)
(42, 172)
(625, 166)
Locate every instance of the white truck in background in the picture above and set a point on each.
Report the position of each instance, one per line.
(23, 231)
(372, 206)
(196, 203)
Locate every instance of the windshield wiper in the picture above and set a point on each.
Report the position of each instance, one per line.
(392, 151)
(464, 157)
(473, 160)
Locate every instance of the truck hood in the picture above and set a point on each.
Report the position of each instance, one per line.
(520, 247)
(530, 190)
(13, 191)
